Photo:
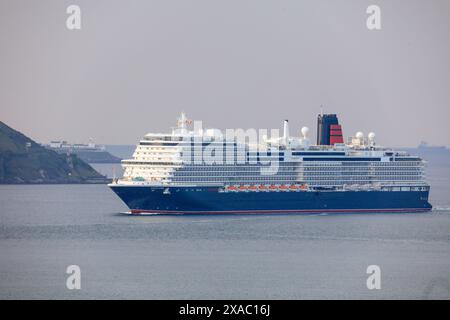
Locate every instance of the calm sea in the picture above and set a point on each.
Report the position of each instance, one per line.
(45, 228)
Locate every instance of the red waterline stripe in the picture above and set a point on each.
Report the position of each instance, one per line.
(138, 211)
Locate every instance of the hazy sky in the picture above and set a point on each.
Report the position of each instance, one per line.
(135, 65)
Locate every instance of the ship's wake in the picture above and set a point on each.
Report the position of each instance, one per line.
(129, 213)
(440, 209)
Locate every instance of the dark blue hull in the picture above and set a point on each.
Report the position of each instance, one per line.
(207, 200)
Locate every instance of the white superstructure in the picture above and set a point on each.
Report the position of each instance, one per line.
(178, 158)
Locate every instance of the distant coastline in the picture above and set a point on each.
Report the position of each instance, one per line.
(425, 149)
(23, 161)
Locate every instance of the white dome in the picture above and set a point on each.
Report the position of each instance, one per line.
(371, 136)
(359, 135)
(305, 131)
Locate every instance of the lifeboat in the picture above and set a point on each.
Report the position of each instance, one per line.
(283, 187)
(272, 187)
(243, 188)
(261, 187)
(304, 187)
(253, 188)
(232, 188)
(293, 187)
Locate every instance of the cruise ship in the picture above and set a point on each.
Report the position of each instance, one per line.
(203, 171)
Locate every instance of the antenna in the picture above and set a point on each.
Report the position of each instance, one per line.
(182, 123)
(321, 110)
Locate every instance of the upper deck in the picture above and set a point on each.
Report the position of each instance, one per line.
(208, 157)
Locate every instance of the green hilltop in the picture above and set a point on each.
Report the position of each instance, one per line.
(24, 161)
